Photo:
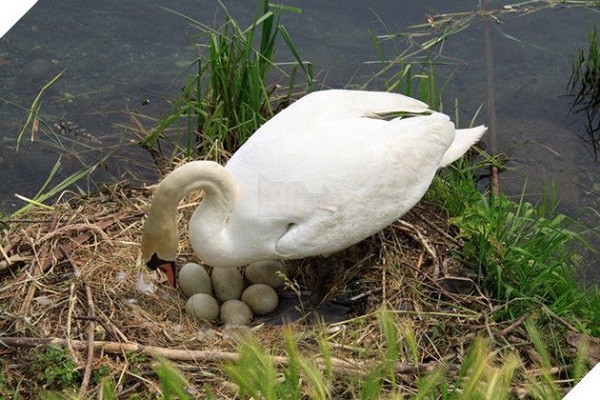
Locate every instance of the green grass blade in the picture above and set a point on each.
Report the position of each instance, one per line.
(33, 110)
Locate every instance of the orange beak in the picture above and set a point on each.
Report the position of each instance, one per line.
(168, 267)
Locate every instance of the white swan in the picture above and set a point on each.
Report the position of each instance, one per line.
(320, 176)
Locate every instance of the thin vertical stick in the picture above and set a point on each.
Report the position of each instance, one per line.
(491, 101)
(90, 342)
(72, 302)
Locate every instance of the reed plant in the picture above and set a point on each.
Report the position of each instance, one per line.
(412, 68)
(73, 143)
(525, 253)
(584, 85)
(237, 86)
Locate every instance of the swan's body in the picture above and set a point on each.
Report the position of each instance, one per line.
(318, 177)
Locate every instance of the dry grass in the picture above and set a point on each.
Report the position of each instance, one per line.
(73, 274)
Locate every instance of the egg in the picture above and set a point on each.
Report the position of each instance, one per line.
(267, 272)
(235, 312)
(227, 283)
(193, 279)
(202, 306)
(261, 298)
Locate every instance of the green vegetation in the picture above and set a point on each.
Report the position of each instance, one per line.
(173, 384)
(32, 121)
(6, 391)
(41, 130)
(484, 374)
(585, 85)
(49, 190)
(524, 253)
(55, 367)
(230, 96)
(412, 68)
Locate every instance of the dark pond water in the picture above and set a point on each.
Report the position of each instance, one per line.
(116, 54)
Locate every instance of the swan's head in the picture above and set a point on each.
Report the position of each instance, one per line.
(159, 243)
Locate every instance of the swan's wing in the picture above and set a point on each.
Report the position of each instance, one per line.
(332, 105)
(326, 185)
(373, 191)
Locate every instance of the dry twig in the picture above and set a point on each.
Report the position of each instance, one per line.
(414, 233)
(338, 364)
(90, 342)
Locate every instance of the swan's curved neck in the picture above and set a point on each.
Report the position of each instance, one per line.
(160, 230)
(212, 178)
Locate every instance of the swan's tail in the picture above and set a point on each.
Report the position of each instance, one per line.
(463, 140)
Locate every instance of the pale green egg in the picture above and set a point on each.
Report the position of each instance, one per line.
(235, 312)
(261, 298)
(193, 279)
(227, 283)
(268, 272)
(202, 306)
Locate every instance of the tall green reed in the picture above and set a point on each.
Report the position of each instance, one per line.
(485, 373)
(412, 68)
(523, 252)
(584, 84)
(486, 370)
(231, 95)
(41, 131)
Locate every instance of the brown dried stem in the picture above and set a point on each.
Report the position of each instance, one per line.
(90, 342)
(338, 364)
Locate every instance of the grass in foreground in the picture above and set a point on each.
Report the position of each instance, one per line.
(485, 372)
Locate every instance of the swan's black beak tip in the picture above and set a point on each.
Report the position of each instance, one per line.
(168, 267)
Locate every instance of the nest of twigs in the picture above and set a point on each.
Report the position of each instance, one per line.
(73, 277)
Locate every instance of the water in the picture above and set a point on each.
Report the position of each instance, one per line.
(117, 55)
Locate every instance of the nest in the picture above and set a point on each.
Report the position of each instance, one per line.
(73, 276)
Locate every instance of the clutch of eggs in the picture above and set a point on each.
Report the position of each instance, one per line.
(227, 285)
